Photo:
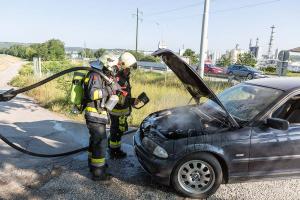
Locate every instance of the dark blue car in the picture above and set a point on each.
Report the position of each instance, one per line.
(247, 132)
(242, 71)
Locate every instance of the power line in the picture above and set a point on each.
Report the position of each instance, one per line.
(174, 9)
(228, 9)
(246, 6)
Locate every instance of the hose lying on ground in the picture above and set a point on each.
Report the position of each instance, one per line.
(10, 94)
(16, 147)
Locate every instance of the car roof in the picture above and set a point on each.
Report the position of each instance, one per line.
(280, 83)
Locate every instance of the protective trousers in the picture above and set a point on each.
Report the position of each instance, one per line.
(118, 126)
(97, 144)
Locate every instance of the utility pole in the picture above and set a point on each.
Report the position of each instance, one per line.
(137, 30)
(203, 45)
(271, 41)
(138, 19)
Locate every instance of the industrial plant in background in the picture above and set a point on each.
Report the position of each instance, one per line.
(254, 50)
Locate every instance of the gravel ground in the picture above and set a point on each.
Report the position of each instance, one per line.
(70, 179)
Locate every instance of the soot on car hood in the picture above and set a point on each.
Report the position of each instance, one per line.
(181, 122)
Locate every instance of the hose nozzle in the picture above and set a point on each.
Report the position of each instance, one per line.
(8, 95)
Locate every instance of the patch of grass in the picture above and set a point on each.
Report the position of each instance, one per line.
(164, 90)
(293, 74)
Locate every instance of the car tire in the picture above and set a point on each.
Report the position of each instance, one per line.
(231, 75)
(249, 76)
(198, 175)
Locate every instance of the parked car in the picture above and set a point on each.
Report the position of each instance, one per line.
(210, 69)
(249, 131)
(242, 71)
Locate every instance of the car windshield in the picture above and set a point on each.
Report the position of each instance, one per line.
(243, 101)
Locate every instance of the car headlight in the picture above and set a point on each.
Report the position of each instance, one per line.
(160, 152)
(154, 148)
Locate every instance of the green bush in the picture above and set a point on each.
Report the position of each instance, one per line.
(269, 69)
(50, 50)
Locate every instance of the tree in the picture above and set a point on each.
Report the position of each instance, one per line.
(3, 51)
(246, 59)
(30, 53)
(51, 50)
(142, 57)
(149, 58)
(224, 61)
(99, 53)
(42, 51)
(56, 49)
(191, 55)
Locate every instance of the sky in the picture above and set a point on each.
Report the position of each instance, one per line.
(112, 24)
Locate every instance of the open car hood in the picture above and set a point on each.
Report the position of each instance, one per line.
(190, 79)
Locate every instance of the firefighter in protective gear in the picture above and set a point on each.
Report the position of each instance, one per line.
(123, 109)
(96, 91)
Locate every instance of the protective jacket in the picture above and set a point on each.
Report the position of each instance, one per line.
(96, 92)
(124, 106)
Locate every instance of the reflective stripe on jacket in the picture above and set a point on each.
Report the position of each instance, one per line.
(120, 112)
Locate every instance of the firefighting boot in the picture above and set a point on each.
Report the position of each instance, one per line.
(91, 167)
(100, 174)
(117, 153)
(89, 164)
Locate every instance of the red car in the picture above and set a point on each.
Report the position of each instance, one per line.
(210, 69)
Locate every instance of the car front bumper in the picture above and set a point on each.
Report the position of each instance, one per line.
(159, 169)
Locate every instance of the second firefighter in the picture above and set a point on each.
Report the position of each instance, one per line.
(123, 109)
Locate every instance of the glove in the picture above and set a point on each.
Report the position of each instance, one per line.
(134, 101)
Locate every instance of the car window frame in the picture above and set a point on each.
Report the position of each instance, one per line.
(282, 100)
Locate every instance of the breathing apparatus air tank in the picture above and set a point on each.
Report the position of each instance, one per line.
(77, 91)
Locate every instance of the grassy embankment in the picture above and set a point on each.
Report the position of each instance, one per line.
(164, 91)
(272, 71)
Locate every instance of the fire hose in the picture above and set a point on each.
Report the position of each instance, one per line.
(10, 94)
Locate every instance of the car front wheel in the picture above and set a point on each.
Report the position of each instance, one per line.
(198, 175)
(250, 76)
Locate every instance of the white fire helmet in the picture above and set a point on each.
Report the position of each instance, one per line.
(127, 61)
(108, 60)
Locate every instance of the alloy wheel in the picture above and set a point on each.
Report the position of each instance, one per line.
(196, 176)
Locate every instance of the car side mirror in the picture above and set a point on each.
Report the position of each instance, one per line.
(278, 123)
